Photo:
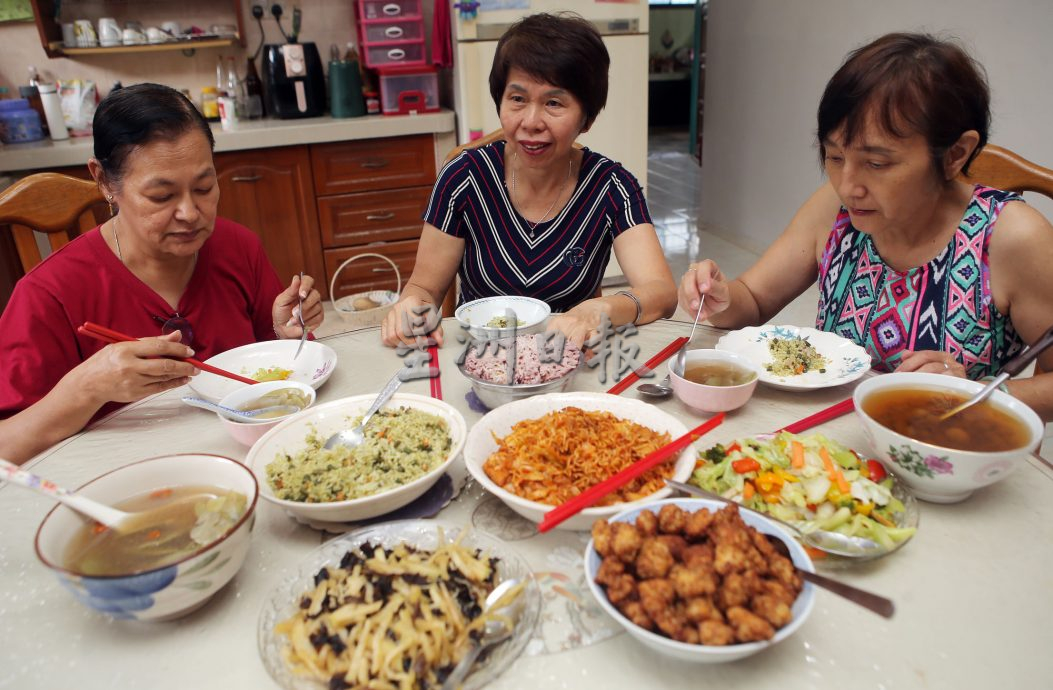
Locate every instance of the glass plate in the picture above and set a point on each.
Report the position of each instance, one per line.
(284, 598)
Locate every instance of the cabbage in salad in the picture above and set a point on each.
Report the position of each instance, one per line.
(811, 481)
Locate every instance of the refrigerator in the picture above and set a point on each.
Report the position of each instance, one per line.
(620, 131)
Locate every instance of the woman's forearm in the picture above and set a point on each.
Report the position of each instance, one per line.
(742, 310)
(1035, 392)
(59, 414)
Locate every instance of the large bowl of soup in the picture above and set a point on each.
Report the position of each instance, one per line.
(713, 380)
(204, 507)
(944, 461)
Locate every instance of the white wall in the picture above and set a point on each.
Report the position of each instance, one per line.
(768, 61)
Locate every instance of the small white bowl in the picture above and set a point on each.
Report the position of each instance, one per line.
(481, 445)
(473, 316)
(327, 419)
(935, 473)
(163, 593)
(713, 398)
(701, 653)
(247, 433)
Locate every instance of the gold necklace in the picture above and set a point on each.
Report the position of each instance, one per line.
(559, 195)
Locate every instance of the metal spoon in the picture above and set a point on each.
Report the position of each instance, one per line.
(875, 602)
(662, 389)
(117, 520)
(1011, 368)
(303, 326)
(494, 631)
(681, 355)
(824, 540)
(239, 415)
(352, 438)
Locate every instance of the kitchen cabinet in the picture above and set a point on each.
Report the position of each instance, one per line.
(270, 191)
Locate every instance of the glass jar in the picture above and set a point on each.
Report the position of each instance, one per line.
(210, 103)
(19, 122)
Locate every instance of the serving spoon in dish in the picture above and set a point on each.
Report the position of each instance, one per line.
(495, 630)
(353, 438)
(117, 520)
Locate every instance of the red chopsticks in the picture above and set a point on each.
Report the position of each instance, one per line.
(648, 366)
(598, 491)
(436, 375)
(94, 330)
(832, 412)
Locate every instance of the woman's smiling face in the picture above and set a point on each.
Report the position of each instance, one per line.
(541, 119)
(168, 196)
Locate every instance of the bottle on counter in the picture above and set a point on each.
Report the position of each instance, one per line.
(234, 87)
(221, 77)
(210, 103)
(53, 112)
(253, 92)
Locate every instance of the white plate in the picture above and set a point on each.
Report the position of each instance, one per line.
(848, 361)
(327, 419)
(481, 445)
(313, 367)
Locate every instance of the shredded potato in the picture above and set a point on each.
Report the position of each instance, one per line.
(553, 459)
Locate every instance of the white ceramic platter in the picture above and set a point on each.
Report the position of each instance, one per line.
(313, 367)
(848, 361)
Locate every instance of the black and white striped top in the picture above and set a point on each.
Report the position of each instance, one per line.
(564, 262)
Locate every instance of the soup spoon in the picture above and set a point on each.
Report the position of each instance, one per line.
(681, 355)
(663, 389)
(824, 540)
(239, 415)
(495, 630)
(117, 520)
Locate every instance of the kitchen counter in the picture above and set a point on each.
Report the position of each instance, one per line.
(249, 134)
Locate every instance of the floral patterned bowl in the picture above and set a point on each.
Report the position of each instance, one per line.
(174, 590)
(935, 473)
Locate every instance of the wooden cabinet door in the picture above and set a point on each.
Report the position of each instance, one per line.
(271, 192)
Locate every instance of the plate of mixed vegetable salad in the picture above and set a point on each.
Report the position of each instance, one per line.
(798, 358)
(812, 482)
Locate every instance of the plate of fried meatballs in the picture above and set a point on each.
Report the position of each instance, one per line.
(696, 579)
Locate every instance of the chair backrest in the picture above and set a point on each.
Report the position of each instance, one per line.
(1001, 168)
(55, 204)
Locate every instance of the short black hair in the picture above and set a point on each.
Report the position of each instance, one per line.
(137, 115)
(562, 49)
(929, 85)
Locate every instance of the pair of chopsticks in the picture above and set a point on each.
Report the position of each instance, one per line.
(832, 412)
(648, 366)
(598, 491)
(436, 376)
(106, 335)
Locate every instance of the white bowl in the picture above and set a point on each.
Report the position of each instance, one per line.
(313, 367)
(161, 593)
(700, 653)
(288, 437)
(247, 433)
(935, 473)
(481, 445)
(473, 316)
(706, 398)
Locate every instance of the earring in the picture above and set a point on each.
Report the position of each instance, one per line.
(109, 201)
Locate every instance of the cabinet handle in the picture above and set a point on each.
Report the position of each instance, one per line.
(383, 269)
(381, 216)
(246, 178)
(391, 9)
(382, 163)
(393, 32)
(396, 54)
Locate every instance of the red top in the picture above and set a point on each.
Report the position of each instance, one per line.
(227, 302)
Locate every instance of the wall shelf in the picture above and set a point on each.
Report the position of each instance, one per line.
(60, 49)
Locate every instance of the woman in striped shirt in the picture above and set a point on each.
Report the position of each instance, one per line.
(532, 214)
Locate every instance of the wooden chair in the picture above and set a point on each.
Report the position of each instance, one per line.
(58, 205)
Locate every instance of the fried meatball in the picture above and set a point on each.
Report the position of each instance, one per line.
(658, 590)
(702, 609)
(623, 588)
(771, 609)
(654, 559)
(778, 590)
(735, 590)
(785, 572)
(697, 524)
(676, 544)
(715, 633)
(670, 622)
(730, 535)
(728, 558)
(634, 611)
(761, 543)
(693, 582)
(647, 523)
(749, 627)
(610, 568)
(671, 519)
(697, 555)
(625, 541)
(601, 537)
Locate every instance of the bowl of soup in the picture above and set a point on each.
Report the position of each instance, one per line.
(713, 380)
(296, 396)
(202, 509)
(944, 461)
(505, 316)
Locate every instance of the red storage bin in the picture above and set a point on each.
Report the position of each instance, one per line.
(391, 33)
(409, 90)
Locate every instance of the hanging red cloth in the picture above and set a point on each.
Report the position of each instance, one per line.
(441, 41)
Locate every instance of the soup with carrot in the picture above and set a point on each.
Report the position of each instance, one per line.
(916, 412)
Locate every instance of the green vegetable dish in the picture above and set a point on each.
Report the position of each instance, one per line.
(811, 481)
(400, 445)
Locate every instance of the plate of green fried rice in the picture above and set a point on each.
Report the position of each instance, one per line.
(798, 358)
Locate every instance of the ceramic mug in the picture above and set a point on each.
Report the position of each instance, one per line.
(134, 37)
(84, 31)
(109, 32)
(155, 35)
(69, 35)
(172, 28)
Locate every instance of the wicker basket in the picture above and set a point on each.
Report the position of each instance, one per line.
(362, 318)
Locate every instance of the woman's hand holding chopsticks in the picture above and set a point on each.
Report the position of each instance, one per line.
(130, 371)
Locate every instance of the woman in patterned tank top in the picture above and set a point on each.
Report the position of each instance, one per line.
(906, 256)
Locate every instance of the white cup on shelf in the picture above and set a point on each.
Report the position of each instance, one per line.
(109, 32)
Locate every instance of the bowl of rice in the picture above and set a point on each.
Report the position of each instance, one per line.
(409, 444)
(503, 316)
(533, 370)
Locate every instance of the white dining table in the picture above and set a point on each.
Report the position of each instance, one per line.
(973, 589)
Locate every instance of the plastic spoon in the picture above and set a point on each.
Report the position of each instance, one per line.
(494, 631)
(239, 415)
(117, 520)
